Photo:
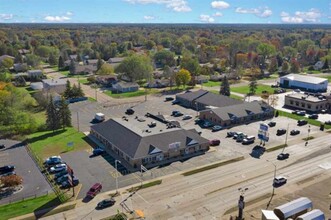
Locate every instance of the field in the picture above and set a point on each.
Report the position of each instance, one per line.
(259, 89)
(211, 84)
(130, 94)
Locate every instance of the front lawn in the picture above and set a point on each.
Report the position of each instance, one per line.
(259, 89)
(327, 77)
(130, 94)
(231, 95)
(48, 143)
(211, 84)
(83, 81)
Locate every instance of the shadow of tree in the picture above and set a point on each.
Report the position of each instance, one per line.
(45, 136)
(46, 208)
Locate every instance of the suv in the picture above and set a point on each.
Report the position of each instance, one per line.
(94, 190)
(302, 122)
(272, 124)
(313, 116)
(129, 111)
(249, 140)
(281, 131)
(214, 142)
(279, 180)
(2, 146)
(167, 99)
(283, 156)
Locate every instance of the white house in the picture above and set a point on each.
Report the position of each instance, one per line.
(306, 83)
(318, 65)
(125, 87)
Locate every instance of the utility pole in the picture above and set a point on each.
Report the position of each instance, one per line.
(96, 94)
(117, 161)
(308, 136)
(78, 121)
(273, 185)
(241, 203)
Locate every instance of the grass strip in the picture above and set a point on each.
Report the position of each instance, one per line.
(146, 185)
(209, 167)
(276, 147)
(308, 138)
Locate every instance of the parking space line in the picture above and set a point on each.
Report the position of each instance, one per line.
(142, 198)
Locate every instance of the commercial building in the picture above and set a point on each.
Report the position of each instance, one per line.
(308, 102)
(146, 142)
(294, 208)
(305, 83)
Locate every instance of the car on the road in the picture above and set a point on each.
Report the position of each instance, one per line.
(230, 133)
(106, 203)
(257, 151)
(281, 131)
(272, 124)
(214, 142)
(2, 146)
(313, 116)
(187, 117)
(94, 190)
(7, 169)
(58, 168)
(279, 180)
(67, 184)
(283, 156)
(98, 151)
(216, 128)
(129, 111)
(302, 122)
(294, 132)
(53, 160)
(327, 122)
(167, 99)
(301, 113)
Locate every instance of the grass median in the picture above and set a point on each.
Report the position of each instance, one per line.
(146, 185)
(209, 167)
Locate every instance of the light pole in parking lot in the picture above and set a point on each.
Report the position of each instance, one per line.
(273, 185)
(117, 161)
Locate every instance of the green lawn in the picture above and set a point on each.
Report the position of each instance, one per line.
(83, 81)
(49, 143)
(211, 84)
(130, 94)
(231, 95)
(245, 89)
(27, 206)
(327, 77)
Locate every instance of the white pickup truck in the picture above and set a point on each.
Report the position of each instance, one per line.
(99, 117)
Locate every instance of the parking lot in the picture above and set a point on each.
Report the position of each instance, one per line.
(34, 182)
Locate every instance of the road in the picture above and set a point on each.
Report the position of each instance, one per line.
(207, 195)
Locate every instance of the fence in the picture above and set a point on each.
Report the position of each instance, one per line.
(22, 198)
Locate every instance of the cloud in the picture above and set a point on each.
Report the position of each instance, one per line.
(69, 13)
(311, 16)
(174, 5)
(147, 17)
(259, 12)
(220, 4)
(56, 18)
(218, 14)
(207, 19)
(6, 16)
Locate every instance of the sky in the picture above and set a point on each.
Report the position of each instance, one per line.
(165, 11)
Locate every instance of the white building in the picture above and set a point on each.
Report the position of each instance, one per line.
(54, 85)
(306, 83)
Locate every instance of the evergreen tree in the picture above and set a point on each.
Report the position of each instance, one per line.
(99, 63)
(52, 112)
(225, 87)
(74, 91)
(80, 92)
(325, 65)
(64, 114)
(52, 59)
(72, 67)
(67, 92)
(61, 63)
(252, 86)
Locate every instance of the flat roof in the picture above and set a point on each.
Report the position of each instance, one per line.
(309, 98)
(304, 78)
(293, 207)
(53, 82)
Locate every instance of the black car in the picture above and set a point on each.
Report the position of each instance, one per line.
(302, 122)
(313, 116)
(66, 184)
(7, 169)
(294, 132)
(257, 151)
(2, 146)
(175, 102)
(129, 111)
(106, 203)
(283, 156)
(98, 151)
(281, 131)
(272, 124)
(167, 99)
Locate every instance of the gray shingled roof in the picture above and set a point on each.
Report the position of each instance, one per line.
(139, 146)
(216, 100)
(190, 96)
(306, 79)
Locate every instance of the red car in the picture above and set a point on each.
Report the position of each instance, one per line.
(94, 190)
(214, 142)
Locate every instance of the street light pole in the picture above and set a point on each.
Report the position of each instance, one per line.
(241, 203)
(273, 185)
(308, 135)
(116, 161)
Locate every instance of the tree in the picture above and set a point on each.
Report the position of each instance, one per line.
(11, 181)
(99, 63)
(32, 60)
(165, 57)
(285, 66)
(266, 50)
(150, 44)
(61, 63)
(52, 59)
(273, 67)
(225, 87)
(135, 67)
(72, 67)
(182, 77)
(52, 115)
(64, 114)
(252, 86)
(325, 65)
(105, 69)
(295, 66)
(7, 62)
(67, 92)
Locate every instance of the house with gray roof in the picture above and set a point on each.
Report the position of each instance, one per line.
(139, 144)
(305, 83)
(54, 85)
(35, 73)
(233, 115)
(122, 87)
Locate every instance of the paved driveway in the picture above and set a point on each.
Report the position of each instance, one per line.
(34, 182)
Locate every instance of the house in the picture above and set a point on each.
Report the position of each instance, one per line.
(158, 83)
(237, 114)
(37, 86)
(318, 65)
(6, 57)
(85, 69)
(309, 102)
(92, 62)
(305, 83)
(125, 87)
(202, 99)
(115, 60)
(138, 144)
(20, 67)
(54, 85)
(106, 80)
(201, 79)
(35, 74)
(23, 51)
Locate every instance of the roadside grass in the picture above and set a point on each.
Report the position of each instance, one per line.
(211, 84)
(276, 147)
(48, 143)
(91, 99)
(84, 81)
(202, 169)
(146, 185)
(327, 77)
(308, 138)
(40, 118)
(130, 94)
(27, 206)
(298, 117)
(259, 89)
(231, 95)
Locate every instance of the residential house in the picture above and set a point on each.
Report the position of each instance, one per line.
(318, 65)
(106, 80)
(35, 74)
(85, 69)
(20, 67)
(6, 57)
(115, 61)
(122, 87)
(24, 51)
(158, 83)
(201, 79)
(54, 85)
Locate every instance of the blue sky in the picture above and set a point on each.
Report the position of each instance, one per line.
(165, 11)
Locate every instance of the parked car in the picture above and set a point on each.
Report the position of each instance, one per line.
(274, 86)
(198, 121)
(272, 124)
(2, 146)
(98, 151)
(178, 114)
(297, 90)
(7, 169)
(214, 142)
(278, 91)
(58, 168)
(62, 178)
(281, 131)
(167, 99)
(152, 124)
(302, 122)
(94, 190)
(248, 140)
(216, 128)
(313, 116)
(295, 112)
(8, 174)
(279, 180)
(175, 102)
(323, 111)
(53, 160)
(301, 113)
(230, 134)
(61, 173)
(187, 117)
(327, 122)
(106, 203)
(294, 132)
(283, 156)
(129, 111)
(66, 184)
(207, 124)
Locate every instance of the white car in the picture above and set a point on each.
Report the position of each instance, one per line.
(52, 159)
(187, 117)
(279, 180)
(58, 168)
